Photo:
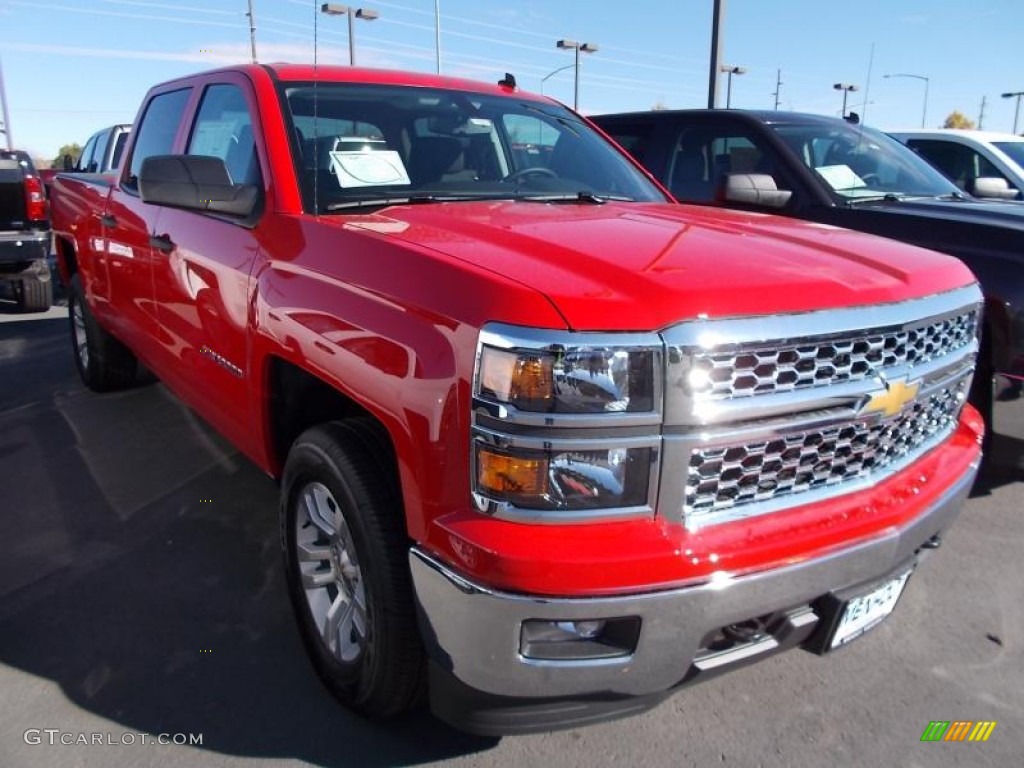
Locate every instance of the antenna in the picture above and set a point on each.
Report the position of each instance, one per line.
(778, 86)
(867, 87)
(981, 114)
(508, 81)
(316, 129)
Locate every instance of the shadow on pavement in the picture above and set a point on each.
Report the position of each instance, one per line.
(139, 571)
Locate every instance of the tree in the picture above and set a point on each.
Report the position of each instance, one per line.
(958, 120)
(74, 150)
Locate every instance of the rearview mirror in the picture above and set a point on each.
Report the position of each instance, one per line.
(195, 182)
(754, 189)
(992, 187)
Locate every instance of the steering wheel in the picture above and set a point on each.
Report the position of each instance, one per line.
(538, 170)
(871, 179)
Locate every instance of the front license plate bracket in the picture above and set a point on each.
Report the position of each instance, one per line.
(847, 614)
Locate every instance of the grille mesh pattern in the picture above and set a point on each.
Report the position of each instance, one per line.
(741, 371)
(728, 476)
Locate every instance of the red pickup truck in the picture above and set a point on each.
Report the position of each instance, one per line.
(550, 447)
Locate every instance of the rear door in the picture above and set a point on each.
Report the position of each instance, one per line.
(129, 224)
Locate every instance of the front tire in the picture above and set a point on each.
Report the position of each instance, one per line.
(103, 362)
(346, 560)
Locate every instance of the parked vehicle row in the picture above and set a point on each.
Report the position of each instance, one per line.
(551, 446)
(830, 171)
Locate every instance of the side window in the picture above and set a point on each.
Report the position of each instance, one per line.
(85, 158)
(703, 157)
(532, 141)
(157, 130)
(223, 129)
(96, 165)
(634, 138)
(955, 161)
(119, 142)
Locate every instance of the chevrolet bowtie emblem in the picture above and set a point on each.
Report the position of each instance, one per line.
(893, 398)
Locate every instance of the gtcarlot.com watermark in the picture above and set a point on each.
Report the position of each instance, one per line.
(71, 738)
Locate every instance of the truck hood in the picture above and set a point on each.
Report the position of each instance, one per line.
(639, 266)
(1005, 215)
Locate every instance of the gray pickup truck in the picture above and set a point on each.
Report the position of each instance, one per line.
(24, 233)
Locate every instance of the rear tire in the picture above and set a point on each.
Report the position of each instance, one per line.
(103, 362)
(33, 294)
(346, 557)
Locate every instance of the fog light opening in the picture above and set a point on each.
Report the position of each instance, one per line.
(579, 639)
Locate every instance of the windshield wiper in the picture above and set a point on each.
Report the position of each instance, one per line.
(577, 197)
(411, 199)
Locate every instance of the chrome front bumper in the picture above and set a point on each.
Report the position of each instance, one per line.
(473, 633)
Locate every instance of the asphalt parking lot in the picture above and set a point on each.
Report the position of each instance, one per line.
(141, 594)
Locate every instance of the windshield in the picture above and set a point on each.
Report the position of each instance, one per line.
(1014, 150)
(860, 163)
(360, 145)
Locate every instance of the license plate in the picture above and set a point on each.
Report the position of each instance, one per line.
(865, 611)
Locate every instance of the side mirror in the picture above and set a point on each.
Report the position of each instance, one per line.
(195, 182)
(992, 188)
(67, 163)
(754, 189)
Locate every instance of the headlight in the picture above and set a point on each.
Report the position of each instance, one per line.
(566, 422)
(569, 379)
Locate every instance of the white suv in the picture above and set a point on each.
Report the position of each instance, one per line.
(974, 160)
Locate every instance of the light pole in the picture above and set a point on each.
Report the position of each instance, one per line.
(924, 111)
(335, 9)
(1016, 111)
(576, 48)
(731, 70)
(845, 88)
(555, 72)
(4, 113)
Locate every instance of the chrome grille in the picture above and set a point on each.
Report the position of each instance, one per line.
(744, 370)
(725, 476)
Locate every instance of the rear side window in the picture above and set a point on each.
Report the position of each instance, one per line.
(96, 164)
(85, 159)
(223, 129)
(157, 130)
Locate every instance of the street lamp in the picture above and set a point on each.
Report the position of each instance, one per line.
(576, 47)
(335, 9)
(1016, 111)
(924, 111)
(845, 88)
(731, 70)
(555, 72)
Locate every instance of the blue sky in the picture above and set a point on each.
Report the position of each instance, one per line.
(74, 66)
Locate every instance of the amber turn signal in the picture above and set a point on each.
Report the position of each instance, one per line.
(509, 477)
(523, 380)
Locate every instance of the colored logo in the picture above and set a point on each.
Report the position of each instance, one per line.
(895, 396)
(958, 730)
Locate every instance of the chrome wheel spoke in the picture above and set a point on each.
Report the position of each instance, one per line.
(313, 553)
(338, 616)
(317, 579)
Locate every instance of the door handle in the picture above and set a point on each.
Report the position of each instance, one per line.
(162, 243)
(108, 221)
